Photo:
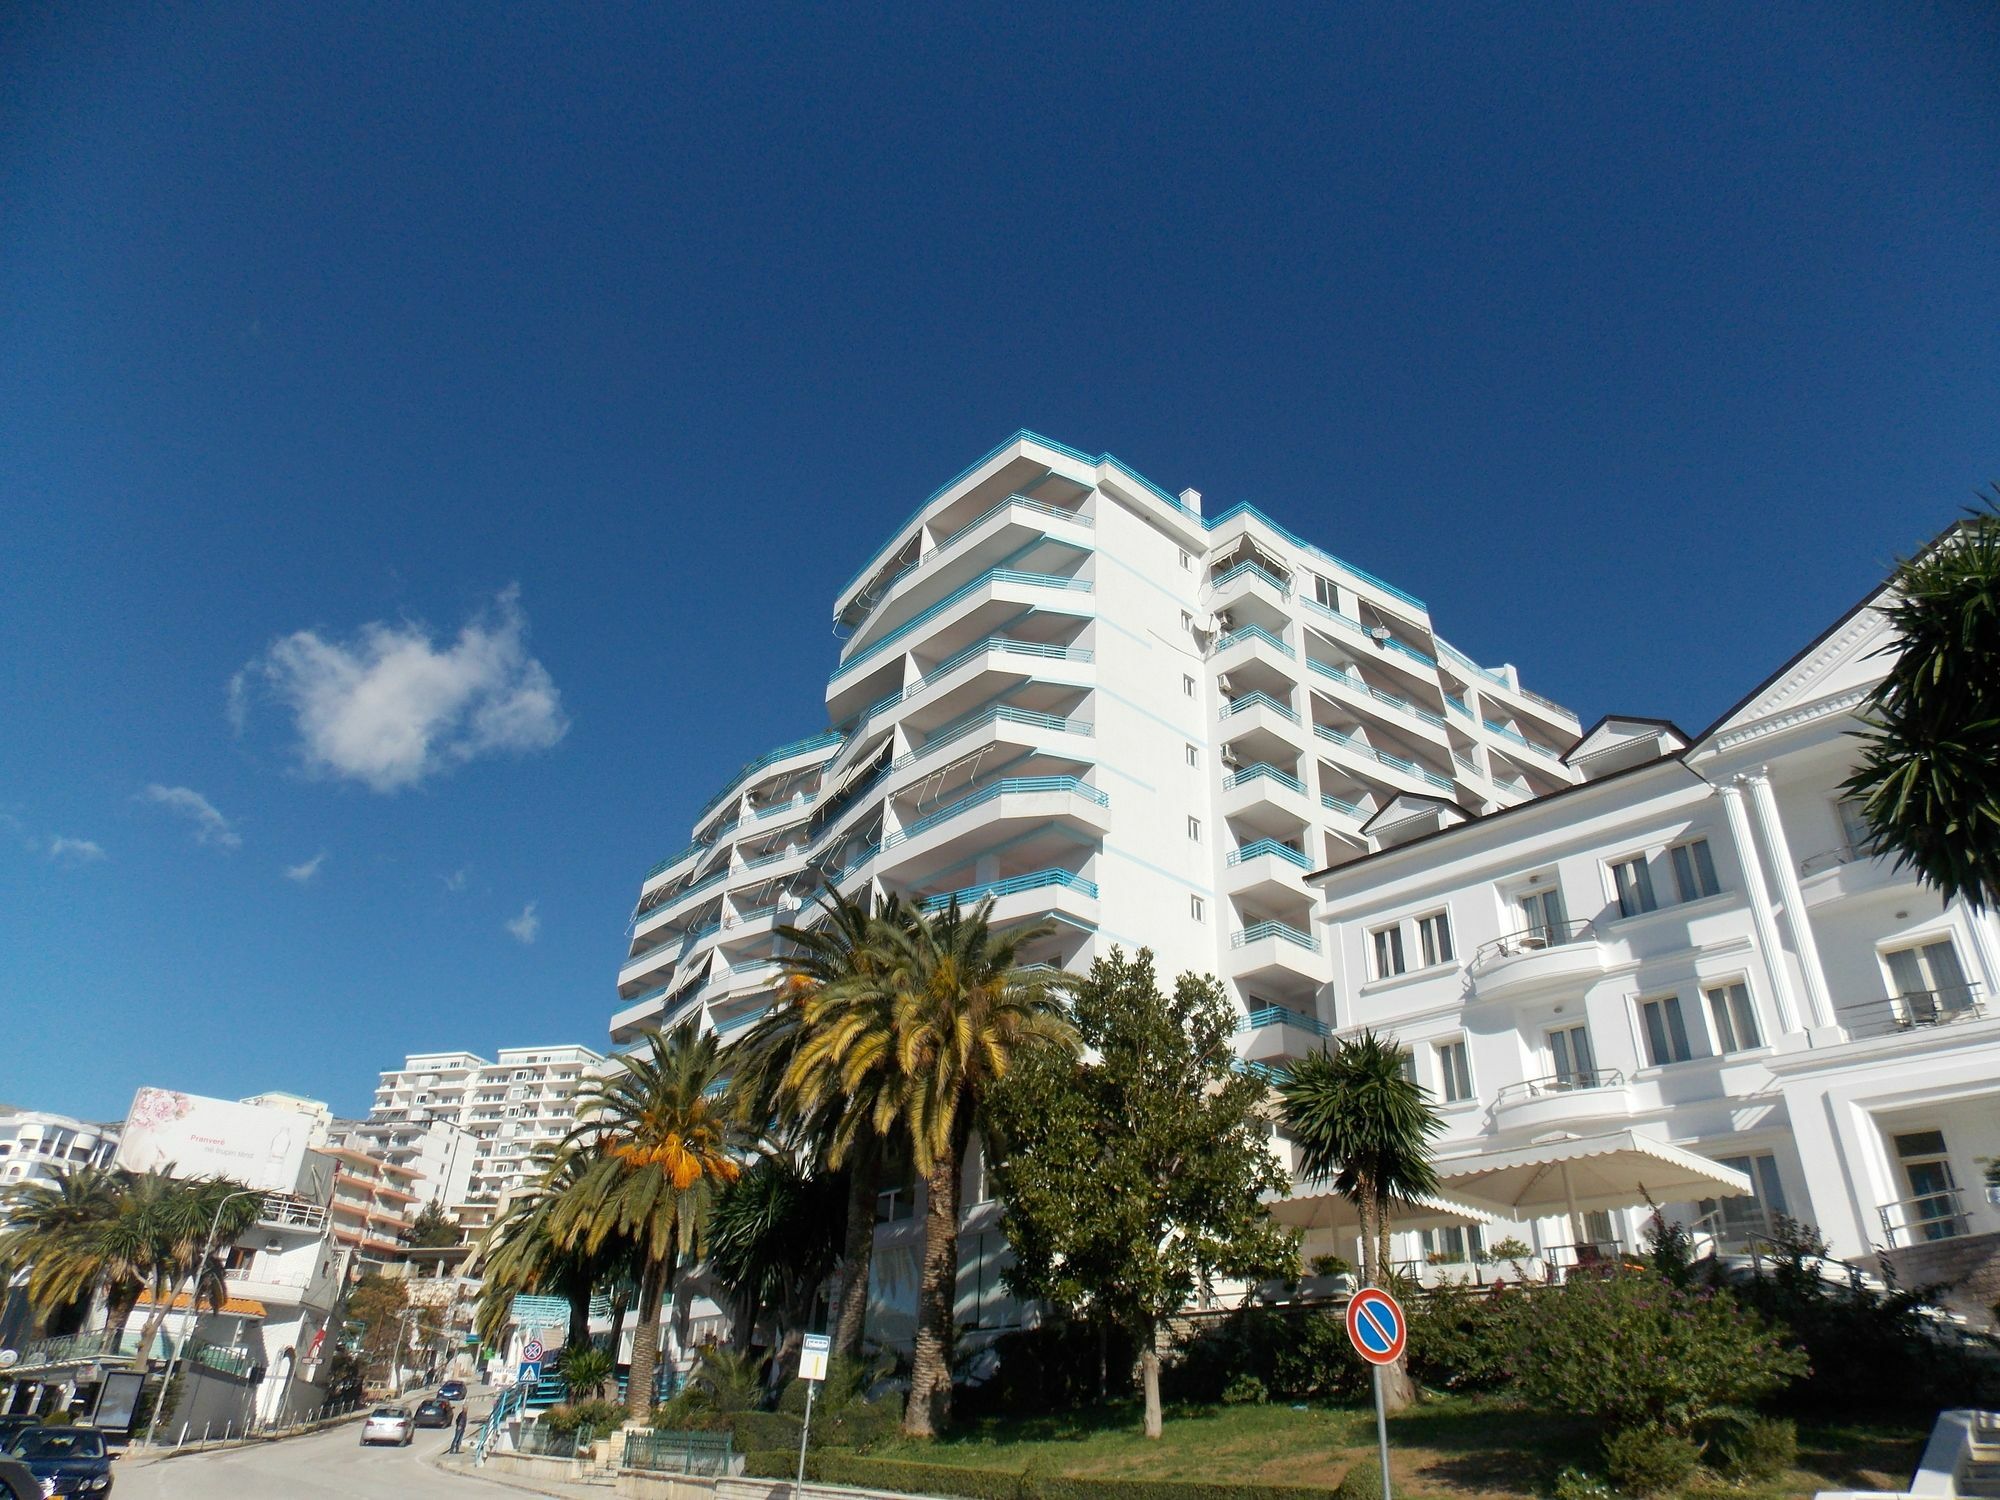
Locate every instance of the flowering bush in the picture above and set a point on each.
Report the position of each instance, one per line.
(1634, 1349)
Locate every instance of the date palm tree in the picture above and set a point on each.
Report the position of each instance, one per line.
(54, 1232)
(1929, 782)
(169, 1231)
(1361, 1122)
(519, 1255)
(945, 1009)
(653, 1145)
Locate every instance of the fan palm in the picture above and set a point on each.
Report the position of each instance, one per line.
(653, 1145)
(915, 1044)
(775, 1239)
(1360, 1121)
(1929, 782)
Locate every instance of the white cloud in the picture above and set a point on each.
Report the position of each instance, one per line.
(525, 926)
(303, 873)
(74, 851)
(210, 827)
(237, 703)
(393, 707)
(455, 881)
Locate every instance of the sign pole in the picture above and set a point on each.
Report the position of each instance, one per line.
(813, 1355)
(1379, 1331)
(1382, 1433)
(812, 1390)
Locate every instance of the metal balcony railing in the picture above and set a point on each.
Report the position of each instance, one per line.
(1926, 1217)
(924, 617)
(1940, 1007)
(1400, 704)
(289, 1211)
(883, 587)
(1397, 762)
(768, 758)
(1253, 633)
(1033, 881)
(1578, 1081)
(1267, 772)
(1244, 569)
(1534, 940)
(1258, 700)
(1273, 848)
(1258, 931)
(1278, 1015)
(1352, 809)
(1833, 859)
(1007, 786)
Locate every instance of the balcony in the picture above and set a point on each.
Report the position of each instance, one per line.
(1050, 795)
(1427, 781)
(1918, 1012)
(1355, 685)
(1925, 1219)
(1537, 960)
(994, 579)
(1836, 874)
(1250, 575)
(997, 890)
(1281, 958)
(1274, 1032)
(1266, 867)
(1575, 1098)
(289, 1211)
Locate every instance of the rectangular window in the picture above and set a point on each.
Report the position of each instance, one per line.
(1453, 1245)
(1194, 829)
(1575, 1065)
(1409, 1064)
(1187, 563)
(1434, 933)
(1325, 593)
(1929, 983)
(1195, 907)
(1544, 918)
(1193, 756)
(1187, 685)
(1741, 1217)
(1388, 951)
(1457, 1075)
(1635, 887)
(1694, 870)
(1854, 830)
(1666, 1031)
(1187, 620)
(1734, 1017)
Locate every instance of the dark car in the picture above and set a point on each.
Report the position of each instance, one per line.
(452, 1390)
(435, 1412)
(73, 1457)
(17, 1481)
(13, 1426)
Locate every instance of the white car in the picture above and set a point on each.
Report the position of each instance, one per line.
(388, 1424)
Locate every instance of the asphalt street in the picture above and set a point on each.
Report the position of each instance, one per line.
(320, 1466)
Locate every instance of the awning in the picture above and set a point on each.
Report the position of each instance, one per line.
(233, 1307)
(1335, 1214)
(1622, 1169)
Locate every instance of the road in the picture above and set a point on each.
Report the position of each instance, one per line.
(330, 1465)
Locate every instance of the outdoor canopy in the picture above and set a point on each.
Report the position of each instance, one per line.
(1331, 1212)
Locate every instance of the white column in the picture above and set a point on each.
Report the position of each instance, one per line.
(1760, 906)
(1980, 926)
(1795, 907)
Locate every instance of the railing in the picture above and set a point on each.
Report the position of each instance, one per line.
(1394, 762)
(1245, 509)
(768, 758)
(1034, 881)
(1457, 705)
(1010, 785)
(1004, 714)
(1521, 739)
(1264, 770)
(289, 1211)
(1560, 1083)
(1278, 1015)
(1939, 1007)
(540, 1439)
(880, 591)
(1257, 931)
(1284, 589)
(1253, 633)
(1833, 859)
(1352, 809)
(680, 1452)
(1534, 940)
(1269, 1072)
(1926, 1217)
(677, 898)
(1273, 848)
(1348, 679)
(924, 617)
(675, 858)
(1258, 700)
(1469, 664)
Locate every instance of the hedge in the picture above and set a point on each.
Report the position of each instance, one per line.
(1000, 1484)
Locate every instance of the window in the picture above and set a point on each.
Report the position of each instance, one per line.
(1543, 915)
(1187, 685)
(1434, 934)
(1932, 1211)
(1575, 1064)
(1193, 756)
(1408, 1061)
(1453, 1245)
(1453, 1069)
(1195, 907)
(1854, 830)
(1757, 1214)
(1388, 951)
(1187, 620)
(1187, 563)
(1194, 829)
(1735, 1018)
(1635, 887)
(1325, 593)
(1929, 982)
(1666, 1031)
(1694, 870)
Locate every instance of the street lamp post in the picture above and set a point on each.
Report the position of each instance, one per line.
(194, 1299)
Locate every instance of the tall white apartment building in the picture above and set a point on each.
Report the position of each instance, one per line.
(506, 1111)
(39, 1147)
(1064, 688)
(1694, 946)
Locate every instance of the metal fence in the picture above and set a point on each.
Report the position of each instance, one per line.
(680, 1452)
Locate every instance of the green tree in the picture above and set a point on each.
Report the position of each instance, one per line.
(522, 1253)
(1137, 1177)
(945, 1009)
(54, 1232)
(586, 1370)
(653, 1145)
(375, 1321)
(1929, 781)
(775, 1239)
(1363, 1124)
(433, 1228)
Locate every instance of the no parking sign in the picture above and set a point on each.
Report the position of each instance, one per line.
(1379, 1331)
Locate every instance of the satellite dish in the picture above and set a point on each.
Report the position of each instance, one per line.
(9, 1358)
(1380, 634)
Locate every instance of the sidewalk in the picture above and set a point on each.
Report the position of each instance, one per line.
(461, 1464)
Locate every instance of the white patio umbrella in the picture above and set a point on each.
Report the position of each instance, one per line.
(1576, 1174)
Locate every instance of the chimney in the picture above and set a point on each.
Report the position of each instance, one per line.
(1192, 500)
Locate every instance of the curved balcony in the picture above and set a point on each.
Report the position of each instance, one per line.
(1576, 1098)
(1538, 959)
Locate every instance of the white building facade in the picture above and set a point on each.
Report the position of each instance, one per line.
(1694, 945)
(39, 1147)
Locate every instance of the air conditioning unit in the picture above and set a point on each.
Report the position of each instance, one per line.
(1222, 681)
(1225, 620)
(1231, 760)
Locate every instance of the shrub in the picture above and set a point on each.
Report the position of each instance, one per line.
(1245, 1390)
(1331, 1265)
(1058, 1367)
(947, 1480)
(1362, 1481)
(1682, 1356)
(1755, 1447)
(1574, 1484)
(1462, 1339)
(1650, 1460)
(752, 1430)
(599, 1416)
(1295, 1353)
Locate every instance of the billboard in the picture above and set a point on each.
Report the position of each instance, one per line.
(197, 1137)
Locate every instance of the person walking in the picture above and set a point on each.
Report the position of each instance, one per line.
(457, 1431)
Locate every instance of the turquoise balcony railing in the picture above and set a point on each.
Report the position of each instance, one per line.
(1254, 633)
(924, 617)
(1257, 700)
(676, 857)
(882, 590)
(1010, 785)
(1461, 659)
(679, 898)
(1258, 931)
(1003, 714)
(1520, 739)
(1320, 552)
(1397, 762)
(768, 758)
(1244, 569)
(1401, 705)
(1457, 705)
(1265, 1071)
(1278, 1015)
(1353, 810)
(1035, 881)
(1273, 848)
(1267, 772)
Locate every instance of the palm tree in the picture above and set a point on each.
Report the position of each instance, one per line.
(835, 958)
(1359, 1119)
(943, 1013)
(1929, 782)
(654, 1145)
(775, 1239)
(520, 1255)
(54, 1232)
(169, 1231)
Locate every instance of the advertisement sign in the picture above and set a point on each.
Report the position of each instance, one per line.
(197, 1137)
(117, 1400)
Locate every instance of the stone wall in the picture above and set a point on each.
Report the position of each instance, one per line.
(1967, 1265)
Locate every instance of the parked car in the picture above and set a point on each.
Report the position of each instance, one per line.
(67, 1460)
(452, 1390)
(388, 1424)
(435, 1412)
(12, 1426)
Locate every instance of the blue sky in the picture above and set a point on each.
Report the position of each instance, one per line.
(496, 396)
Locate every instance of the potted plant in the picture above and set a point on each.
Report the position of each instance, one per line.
(1332, 1276)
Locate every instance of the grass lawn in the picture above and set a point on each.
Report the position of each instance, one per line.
(1449, 1446)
